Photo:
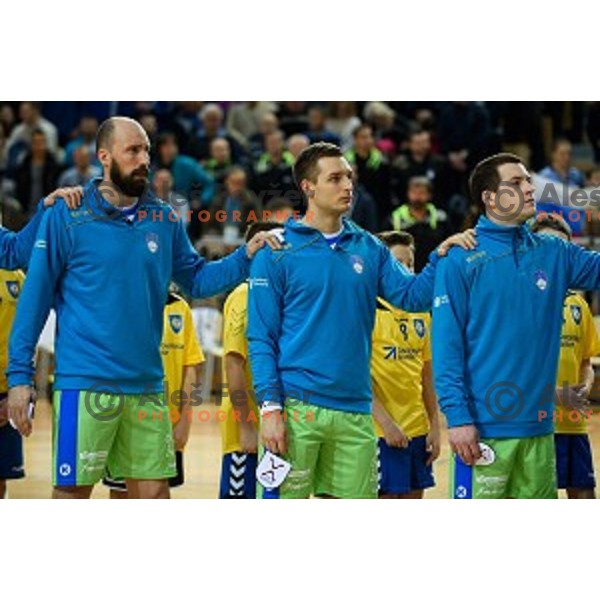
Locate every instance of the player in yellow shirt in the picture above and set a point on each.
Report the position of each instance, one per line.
(579, 342)
(239, 425)
(404, 402)
(181, 357)
(11, 442)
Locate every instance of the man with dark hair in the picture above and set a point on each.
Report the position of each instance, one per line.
(106, 270)
(497, 314)
(404, 403)
(311, 313)
(578, 344)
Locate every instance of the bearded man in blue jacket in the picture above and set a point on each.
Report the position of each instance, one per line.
(497, 317)
(106, 269)
(311, 310)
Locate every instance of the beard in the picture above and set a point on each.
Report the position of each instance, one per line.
(132, 185)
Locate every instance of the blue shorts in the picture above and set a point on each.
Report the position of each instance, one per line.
(574, 465)
(11, 453)
(402, 470)
(238, 476)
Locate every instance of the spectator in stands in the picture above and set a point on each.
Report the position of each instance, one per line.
(594, 178)
(268, 124)
(292, 117)
(390, 130)
(343, 120)
(7, 119)
(373, 171)
(464, 133)
(419, 161)
(189, 178)
(162, 185)
(150, 124)
(420, 217)
(212, 117)
(37, 174)
(86, 137)
(219, 162)
(273, 170)
(560, 170)
(243, 119)
(317, 130)
(185, 123)
(237, 201)
(20, 139)
(82, 171)
(296, 143)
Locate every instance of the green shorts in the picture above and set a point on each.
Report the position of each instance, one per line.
(129, 434)
(332, 453)
(522, 468)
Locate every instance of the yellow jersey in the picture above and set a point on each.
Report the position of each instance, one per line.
(179, 347)
(401, 346)
(11, 284)
(235, 323)
(578, 341)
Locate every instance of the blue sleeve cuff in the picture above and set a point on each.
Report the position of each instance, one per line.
(458, 416)
(15, 379)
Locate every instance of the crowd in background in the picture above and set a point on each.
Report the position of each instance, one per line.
(411, 159)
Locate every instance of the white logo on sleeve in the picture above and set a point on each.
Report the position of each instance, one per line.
(439, 300)
(41, 244)
(258, 282)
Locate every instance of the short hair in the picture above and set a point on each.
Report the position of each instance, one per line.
(397, 238)
(165, 137)
(306, 165)
(359, 128)
(485, 175)
(559, 141)
(277, 204)
(551, 221)
(104, 135)
(258, 226)
(38, 131)
(420, 181)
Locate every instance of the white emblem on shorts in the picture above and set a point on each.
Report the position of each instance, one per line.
(461, 491)
(488, 456)
(64, 470)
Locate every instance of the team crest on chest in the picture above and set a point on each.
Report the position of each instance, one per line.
(152, 242)
(541, 280)
(419, 326)
(576, 314)
(358, 264)
(176, 323)
(14, 288)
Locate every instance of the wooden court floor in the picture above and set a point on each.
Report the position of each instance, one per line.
(202, 460)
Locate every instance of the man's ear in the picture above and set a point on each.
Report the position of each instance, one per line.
(104, 158)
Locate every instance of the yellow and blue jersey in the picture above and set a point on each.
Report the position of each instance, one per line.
(578, 341)
(179, 347)
(235, 323)
(401, 347)
(11, 283)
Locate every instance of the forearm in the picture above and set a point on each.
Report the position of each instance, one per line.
(238, 388)
(380, 414)
(215, 277)
(16, 248)
(587, 376)
(429, 397)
